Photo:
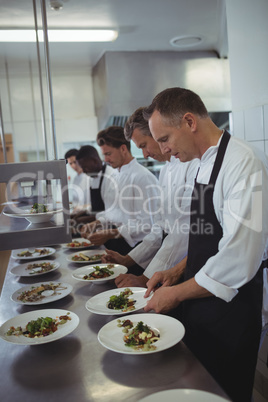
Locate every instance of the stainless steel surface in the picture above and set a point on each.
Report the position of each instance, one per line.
(77, 367)
(144, 74)
(18, 232)
(2, 134)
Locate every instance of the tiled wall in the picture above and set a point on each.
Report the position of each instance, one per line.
(251, 125)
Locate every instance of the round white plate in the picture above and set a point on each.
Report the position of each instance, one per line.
(89, 254)
(99, 304)
(81, 247)
(183, 395)
(23, 319)
(63, 290)
(80, 272)
(171, 332)
(34, 218)
(21, 270)
(15, 253)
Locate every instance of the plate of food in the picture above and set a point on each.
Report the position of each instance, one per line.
(87, 257)
(35, 268)
(183, 395)
(99, 273)
(30, 254)
(117, 301)
(141, 334)
(41, 293)
(78, 244)
(38, 327)
(38, 213)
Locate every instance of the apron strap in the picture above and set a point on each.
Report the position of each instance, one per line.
(219, 158)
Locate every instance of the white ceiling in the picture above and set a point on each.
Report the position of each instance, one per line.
(143, 25)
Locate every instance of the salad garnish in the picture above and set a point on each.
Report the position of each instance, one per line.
(83, 257)
(122, 301)
(99, 273)
(38, 208)
(140, 337)
(40, 327)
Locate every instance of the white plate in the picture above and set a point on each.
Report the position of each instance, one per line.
(23, 319)
(59, 293)
(89, 253)
(21, 270)
(80, 272)
(15, 253)
(98, 304)
(183, 395)
(171, 332)
(79, 240)
(34, 218)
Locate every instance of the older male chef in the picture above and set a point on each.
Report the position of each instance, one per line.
(222, 288)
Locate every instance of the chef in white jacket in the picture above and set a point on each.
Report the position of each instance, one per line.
(167, 242)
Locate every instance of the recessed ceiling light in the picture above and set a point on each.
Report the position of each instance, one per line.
(186, 41)
(59, 35)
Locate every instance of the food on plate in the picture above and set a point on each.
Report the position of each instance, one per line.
(40, 251)
(86, 258)
(140, 337)
(44, 267)
(38, 208)
(40, 327)
(122, 301)
(36, 293)
(76, 243)
(99, 273)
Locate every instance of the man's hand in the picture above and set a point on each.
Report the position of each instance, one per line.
(89, 228)
(100, 237)
(163, 300)
(130, 280)
(114, 257)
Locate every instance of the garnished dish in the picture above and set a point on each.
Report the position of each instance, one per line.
(39, 252)
(122, 301)
(99, 273)
(118, 301)
(41, 326)
(35, 268)
(82, 257)
(89, 256)
(40, 293)
(78, 244)
(45, 266)
(141, 334)
(38, 208)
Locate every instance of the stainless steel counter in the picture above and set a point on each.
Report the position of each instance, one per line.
(77, 367)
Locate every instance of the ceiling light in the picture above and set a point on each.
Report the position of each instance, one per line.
(59, 35)
(186, 41)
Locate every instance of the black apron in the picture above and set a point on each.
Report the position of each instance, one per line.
(97, 203)
(223, 336)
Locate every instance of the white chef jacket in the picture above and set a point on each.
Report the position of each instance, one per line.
(79, 187)
(176, 180)
(240, 205)
(136, 202)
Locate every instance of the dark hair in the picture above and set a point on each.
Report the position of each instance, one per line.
(71, 152)
(136, 120)
(87, 151)
(173, 103)
(112, 136)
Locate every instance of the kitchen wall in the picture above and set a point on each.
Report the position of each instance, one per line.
(75, 118)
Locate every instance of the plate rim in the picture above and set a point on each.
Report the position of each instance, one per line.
(115, 312)
(145, 317)
(32, 276)
(32, 258)
(35, 285)
(36, 313)
(97, 280)
(182, 392)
